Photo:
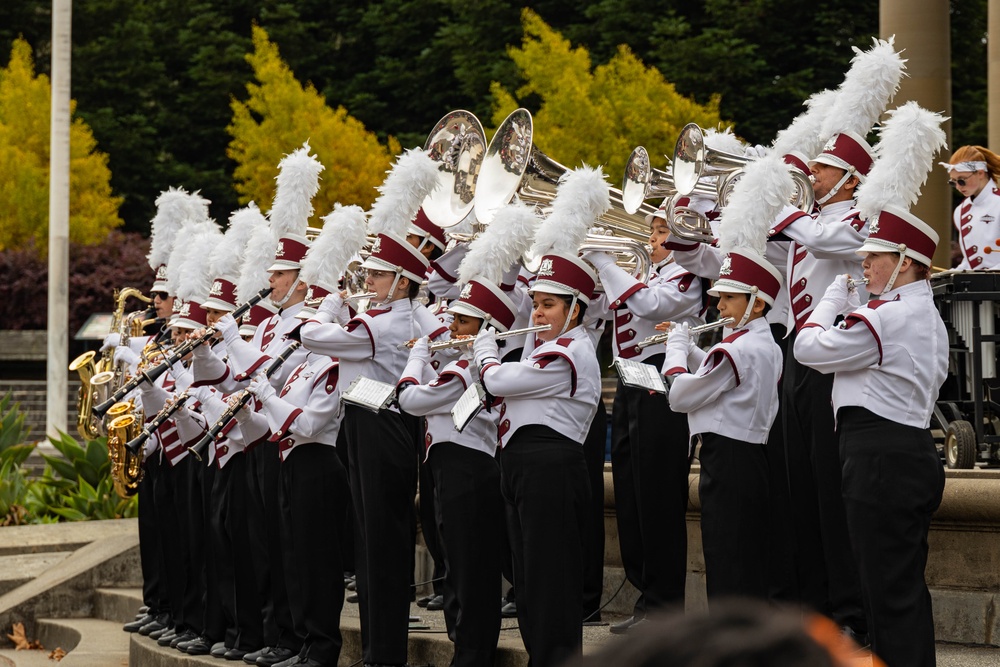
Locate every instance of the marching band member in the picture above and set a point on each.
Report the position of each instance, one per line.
(383, 478)
(651, 476)
(548, 401)
(974, 171)
(888, 359)
(466, 477)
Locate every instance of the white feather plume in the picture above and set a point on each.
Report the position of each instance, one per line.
(409, 181)
(173, 207)
(227, 256)
(503, 243)
(868, 87)
(344, 233)
(805, 134)
(297, 184)
(189, 274)
(582, 197)
(908, 141)
(758, 197)
(259, 255)
(724, 140)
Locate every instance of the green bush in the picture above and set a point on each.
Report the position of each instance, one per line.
(75, 486)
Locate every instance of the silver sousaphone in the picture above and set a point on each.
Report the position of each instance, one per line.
(458, 144)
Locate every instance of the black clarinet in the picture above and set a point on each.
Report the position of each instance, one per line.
(241, 400)
(136, 443)
(176, 354)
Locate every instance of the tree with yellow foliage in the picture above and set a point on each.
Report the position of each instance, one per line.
(279, 116)
(596, 116)
(24, 164)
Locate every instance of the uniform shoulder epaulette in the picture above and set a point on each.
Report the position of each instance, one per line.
(377, 311)
(565, 342)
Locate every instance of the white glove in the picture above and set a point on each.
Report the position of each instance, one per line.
(420, 351)
(836, 294)
(755, 152)
(485, 348)
(229, 328)
(679, 339)
(110, 341)
(599, 260)
(853, 300)
(332, 303)
(125, 355)
(261, 387)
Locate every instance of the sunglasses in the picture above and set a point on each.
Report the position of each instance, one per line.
(163, 295)
(960, 182)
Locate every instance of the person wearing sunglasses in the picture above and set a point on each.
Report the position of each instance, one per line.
(973, 171)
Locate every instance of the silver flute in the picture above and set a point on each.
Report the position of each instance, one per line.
(852, 283)
(662, 338)
(461, 342)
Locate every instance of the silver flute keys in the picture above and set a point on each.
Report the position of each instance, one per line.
(662, 338)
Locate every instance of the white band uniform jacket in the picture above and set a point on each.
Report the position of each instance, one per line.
(199, 414)
(246, 358)
(978, 223)
(672, 293)
(745, 367)
(434, 394)
(306, 410)
(558, 385)
(154, 397)
(823, 248)
(370, 344)
(890, 356)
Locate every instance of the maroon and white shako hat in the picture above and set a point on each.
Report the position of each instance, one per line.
(261, 312)
(482, 298)
(745, 272)
(222, 296)
(422, 226)
(848, 151)
(565, 274)
(189, 315)
(391, 253)
(797, 160)
(660, 212)
(160, 283)
(289, 252)
(896, 230)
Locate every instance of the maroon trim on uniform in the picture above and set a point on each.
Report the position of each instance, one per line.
(447, 375)
(855, 221)
(437, 332)
(676, 370)
(684, 281)
(353, 324)
(253, 368)
(853, 319)
(549, 357)
(716, 360)
(203, 383)
(524, 279)
(620, 301)
(408, 378)
(445, 276)
(780, 227)
(285, 425)
(809, 325)
(331, 378)
(736, 334)
(482, 371)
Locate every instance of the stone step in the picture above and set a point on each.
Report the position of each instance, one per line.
(18, 569)
(118, 605)
(88, 642)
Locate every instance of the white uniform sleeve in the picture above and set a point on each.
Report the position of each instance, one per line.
(702, 259)
(252, 425)
(837, 349)
(208, 367)
(437, 397)
(826, 239)
(354, 342)
(525, 379)
(691, 391)
(307, 421)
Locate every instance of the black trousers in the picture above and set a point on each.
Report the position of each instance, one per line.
(546, 493)
(650, 466)
(594, 448)
(893, 482)
(733, 489)
(154, 590)
(263, 478)
(313, 502)
(167, 484)
(782, 579)
(220, 617)
(191, 515)
(428, 521)
(383, 474)
(247, 603)
(826, 572)
(470, 523)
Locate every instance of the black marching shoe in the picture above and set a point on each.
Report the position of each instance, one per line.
(234, 654)
(509, 610)
(274, 655)
(197, 646)
(436, 604)
(185, 636)
(137, 624)
(169, 633)
(622, 627)
(158, 623)
(219, 650)
(294, 660)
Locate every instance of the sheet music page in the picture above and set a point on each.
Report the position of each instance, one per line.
(468, 406)
(638, 374)
(370, 394)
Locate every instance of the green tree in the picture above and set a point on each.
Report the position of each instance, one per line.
(595, 116)
(279, 115)
(24, 163)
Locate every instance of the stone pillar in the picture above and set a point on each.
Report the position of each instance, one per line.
(922, 30)
(993, 75)
(58, 304)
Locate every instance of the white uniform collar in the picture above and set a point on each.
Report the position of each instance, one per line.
(911, 289)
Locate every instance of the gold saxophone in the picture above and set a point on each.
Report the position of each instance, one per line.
(125, 422)
(100, 378)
